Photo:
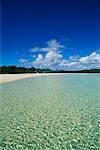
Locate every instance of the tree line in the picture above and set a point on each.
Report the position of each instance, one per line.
(17, 70)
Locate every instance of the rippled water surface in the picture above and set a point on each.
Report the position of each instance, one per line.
(60, 112)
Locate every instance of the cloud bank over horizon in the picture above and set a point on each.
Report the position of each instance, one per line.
(51, 57)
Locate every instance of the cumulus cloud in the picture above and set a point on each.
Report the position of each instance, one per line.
(51, 59)
(51, 56)
(33, 56)
(84, 60)
(38, 62)
(74, 58)
(40, 57)
(35, 49)
(22, 60)
(87, 62)
(91, 59)
(67, 65)
(52, 45)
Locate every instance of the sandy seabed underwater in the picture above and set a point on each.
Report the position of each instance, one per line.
(51, 113)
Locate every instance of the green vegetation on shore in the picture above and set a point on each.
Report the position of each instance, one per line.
(16, 70)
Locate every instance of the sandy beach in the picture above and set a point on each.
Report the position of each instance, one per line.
(12, 77)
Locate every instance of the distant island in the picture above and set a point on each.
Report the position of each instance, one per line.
(18, 70)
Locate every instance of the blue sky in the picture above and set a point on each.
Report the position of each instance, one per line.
(56, 34)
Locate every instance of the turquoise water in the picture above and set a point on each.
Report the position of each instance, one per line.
(60, 112)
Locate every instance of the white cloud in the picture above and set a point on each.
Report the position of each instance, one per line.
(40, 57)
(84, 60)
(95, 58)
(54, 44)
(52, 57)
(46, 49)
(35, 49)
(64, 63)
(74, 58)
(38, 62)
(54, 60)
(87, 62)
(33, 56)
(92, 58)
(67, 65)
(22, 60)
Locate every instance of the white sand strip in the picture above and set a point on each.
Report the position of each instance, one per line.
(12, 77)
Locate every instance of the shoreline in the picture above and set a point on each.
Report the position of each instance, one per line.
(4, 78)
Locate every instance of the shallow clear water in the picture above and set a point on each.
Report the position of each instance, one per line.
(52, 112)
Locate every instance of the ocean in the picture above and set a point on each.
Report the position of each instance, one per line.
(58, 112)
